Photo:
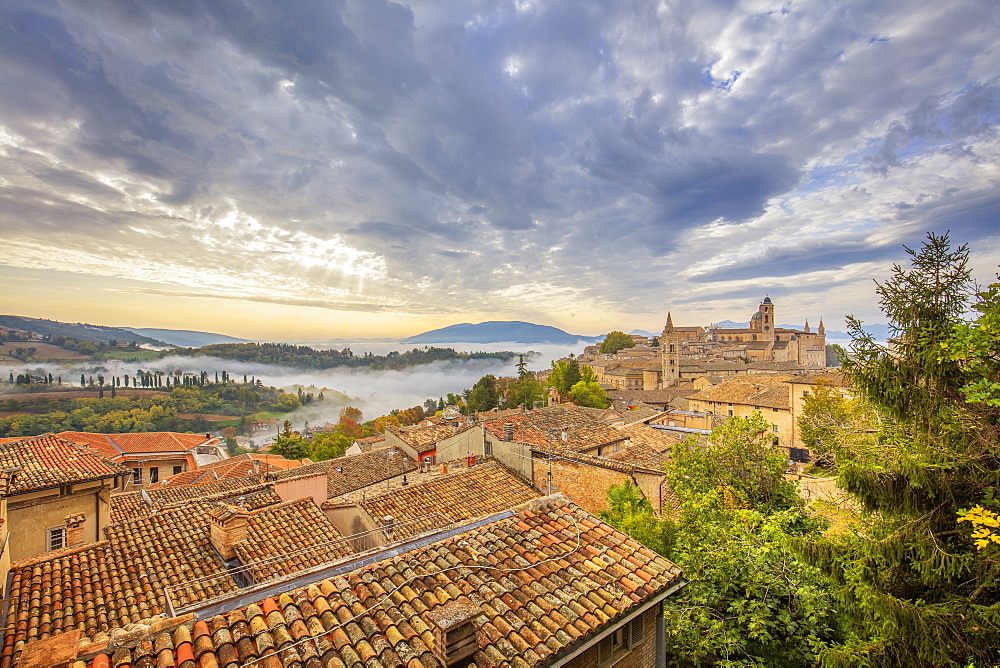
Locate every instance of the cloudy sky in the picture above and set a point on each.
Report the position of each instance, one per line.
(353, 168)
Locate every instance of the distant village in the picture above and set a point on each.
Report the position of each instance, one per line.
(460, 540)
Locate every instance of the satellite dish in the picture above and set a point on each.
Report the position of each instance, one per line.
(144, 495)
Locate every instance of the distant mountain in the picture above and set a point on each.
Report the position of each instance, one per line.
(95, 333)
(642, 332)
(500, 331)
(185, 338)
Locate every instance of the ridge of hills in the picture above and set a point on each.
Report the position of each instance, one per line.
(79, 330)
(186, 338)
(497, 331)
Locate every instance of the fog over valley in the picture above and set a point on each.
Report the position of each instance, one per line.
(375, 392)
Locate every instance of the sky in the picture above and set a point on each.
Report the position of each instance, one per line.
(344, 169)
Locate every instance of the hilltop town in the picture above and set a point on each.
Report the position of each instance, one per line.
(460, 539)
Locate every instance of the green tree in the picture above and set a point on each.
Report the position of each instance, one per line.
(289, 444)
(750, 601)
(630, 512)
(831, 421)
(565, 374)
(589, 394)
(484, 394)
(522, 368)
(328, 445)
(913, 588)
(615, 341)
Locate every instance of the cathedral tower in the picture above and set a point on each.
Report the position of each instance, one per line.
(670, 355)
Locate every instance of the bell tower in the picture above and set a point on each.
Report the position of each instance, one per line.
(767, 323)
(670, 355)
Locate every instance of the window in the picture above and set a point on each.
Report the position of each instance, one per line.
(177, 469)
(774, 428)
(730, 411)
(774, 441)
(137, 476)
(56, 538)
(154, 474)
(619, 638)
(488, 448)
(774, 410)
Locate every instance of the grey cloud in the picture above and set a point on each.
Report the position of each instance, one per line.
(572, 143)
(940, 119)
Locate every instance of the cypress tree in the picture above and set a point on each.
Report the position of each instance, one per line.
(914, 589)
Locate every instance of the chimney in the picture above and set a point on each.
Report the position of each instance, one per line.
(454, 632)
(508, 431)
(74, 529)
(227, 527)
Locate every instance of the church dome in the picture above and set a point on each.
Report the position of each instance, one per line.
(755, 316)
(767, 300)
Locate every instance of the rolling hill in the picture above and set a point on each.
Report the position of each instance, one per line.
(500, 331)
(185, 338)
(79, 330)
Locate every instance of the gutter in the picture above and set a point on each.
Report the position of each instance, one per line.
(569, 654)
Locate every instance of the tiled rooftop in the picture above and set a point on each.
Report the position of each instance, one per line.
(346, 474)
(115, 445)
(276, 536)
(239, 466)
(129, 505)
(424, 437)
(122, 579)
(50, 461)
(585, 428)
(767, 390)
(539, 582)
(481, 490)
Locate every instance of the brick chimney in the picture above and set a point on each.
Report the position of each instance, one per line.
(74, 529)
(454, 633)
(227, 526)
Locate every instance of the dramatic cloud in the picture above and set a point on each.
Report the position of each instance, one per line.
(582, 164)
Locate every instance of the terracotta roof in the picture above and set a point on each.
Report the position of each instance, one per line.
(652, 396)
(122, 580)
(129, 505)
(584, 428)
(769, 391)
(425, 437)
(288, 537)
(117, 445)
(482, 490)
(346, 474)
(232, 467)
(50, 461)
(543, 582)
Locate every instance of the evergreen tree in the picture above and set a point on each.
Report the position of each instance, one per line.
(484, 394)
(522, 368)
(914, 590)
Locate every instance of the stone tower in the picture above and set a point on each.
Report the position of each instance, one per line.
(762, 323)
(670, 355)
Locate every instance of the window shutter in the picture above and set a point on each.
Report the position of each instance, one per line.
(605, 652)
(636, 632)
